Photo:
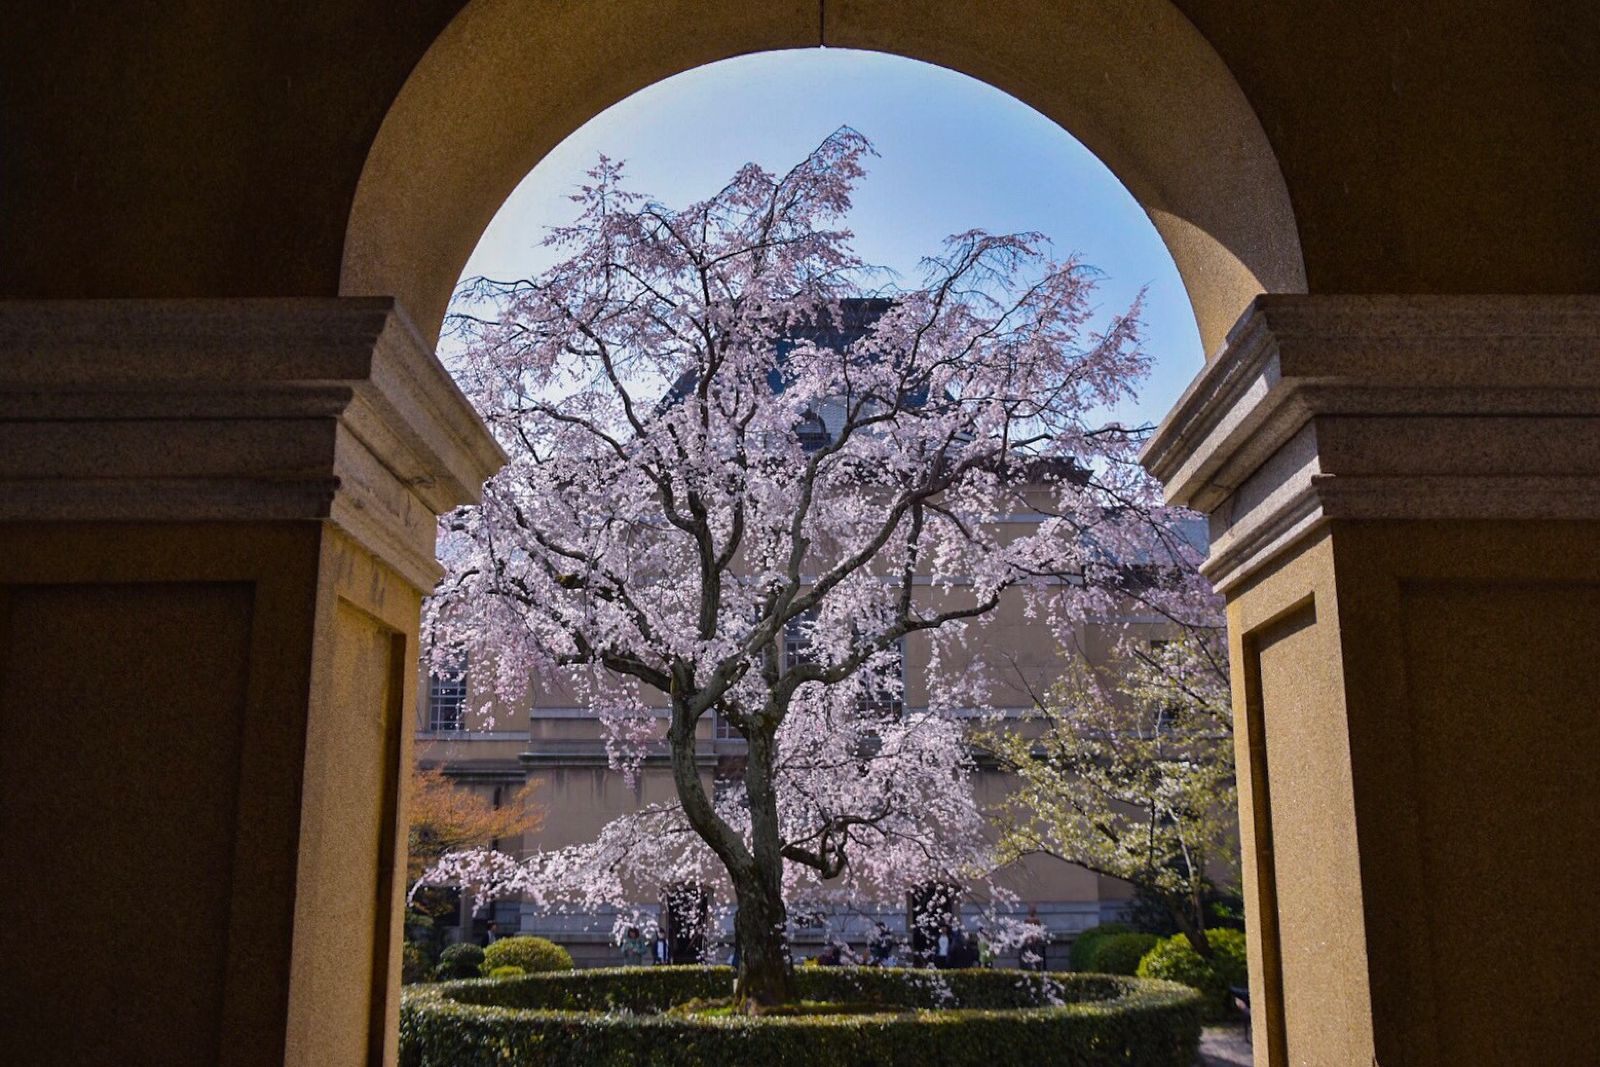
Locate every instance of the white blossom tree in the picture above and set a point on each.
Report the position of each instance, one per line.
(1127, 768)
(722, 437)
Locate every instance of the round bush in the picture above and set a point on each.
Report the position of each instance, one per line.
(1083, 945)
(506, 972)
(1119, 953)
(464, 960)
(901, 1018)
(1175, 960)
(532, 954)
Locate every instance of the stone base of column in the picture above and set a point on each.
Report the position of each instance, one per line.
(1404, 496)
(216, 527)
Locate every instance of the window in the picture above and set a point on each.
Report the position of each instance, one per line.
(723, 730)
(797, 639)
(1168, 715)
(813, 433)
(728, 785)
(447, 699)
(884, 696)
(887, 694)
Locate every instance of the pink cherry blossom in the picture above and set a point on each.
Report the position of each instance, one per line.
(726, 431)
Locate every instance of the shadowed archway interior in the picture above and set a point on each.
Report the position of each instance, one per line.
(507, 81)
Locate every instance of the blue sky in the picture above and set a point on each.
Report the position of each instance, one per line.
(954, 154)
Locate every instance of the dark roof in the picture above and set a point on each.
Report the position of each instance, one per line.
(836, 327)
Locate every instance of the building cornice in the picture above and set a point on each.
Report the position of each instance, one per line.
(596, 757)
(486, 775)
(180, 410)
(1355, 407)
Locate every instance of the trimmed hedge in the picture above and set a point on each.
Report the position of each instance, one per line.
(1175, 960)
(1120, 953)
(616, 1018)
(1084, 944)
(532, 954)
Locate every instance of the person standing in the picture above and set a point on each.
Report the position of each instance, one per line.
(967, 953)
(985, 950)
(881, 948)
(634, 947)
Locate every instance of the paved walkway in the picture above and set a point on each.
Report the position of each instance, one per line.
(1225, 1046)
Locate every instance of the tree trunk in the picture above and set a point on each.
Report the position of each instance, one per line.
(1192, 926)
(765, 974)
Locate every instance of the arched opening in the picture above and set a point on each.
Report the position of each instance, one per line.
(1135, 83)
(1146, 94)
(953, 153)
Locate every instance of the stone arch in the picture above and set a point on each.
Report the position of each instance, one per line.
(1134, 81)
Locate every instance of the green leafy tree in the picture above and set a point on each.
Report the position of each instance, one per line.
(1128, 771)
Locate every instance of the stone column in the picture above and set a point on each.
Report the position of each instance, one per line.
(216, 527)
(1404, 502)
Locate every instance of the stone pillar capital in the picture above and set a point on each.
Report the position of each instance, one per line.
(1386, 407)
(258, 409)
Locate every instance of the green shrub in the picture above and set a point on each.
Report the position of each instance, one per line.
(532, 954)
(1083, 944)
(617, 1018)
(464, 960)
(506, 972)
(1175, 960)
(418, 924)
(1119, 953)
(416, 963)
(1225, 910)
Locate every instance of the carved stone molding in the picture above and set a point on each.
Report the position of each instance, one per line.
(279, 409)
(1386, 407)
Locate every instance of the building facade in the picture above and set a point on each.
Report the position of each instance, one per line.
(559, 744)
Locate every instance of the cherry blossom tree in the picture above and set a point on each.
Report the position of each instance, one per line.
(744, 470)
